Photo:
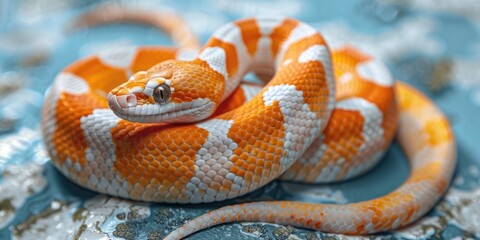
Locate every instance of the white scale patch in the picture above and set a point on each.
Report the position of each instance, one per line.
(266, 24)
(318, 53)
(372, 133)
(330, 171)
(264, 56)
(70, 83)
(216, 59)
(428, 154)
(119, 57)
(213, 164)
(230, 34)
(375, 72)
(301, 125)
(100, 153)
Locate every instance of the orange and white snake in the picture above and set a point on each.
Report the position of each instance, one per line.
(188, 131)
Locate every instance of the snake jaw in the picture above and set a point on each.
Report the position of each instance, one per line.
(137, 101)
(130, 108)
(152, 100)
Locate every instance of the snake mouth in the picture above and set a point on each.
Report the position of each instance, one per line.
(156, 112)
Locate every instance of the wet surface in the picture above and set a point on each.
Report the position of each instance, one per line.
(433, 46)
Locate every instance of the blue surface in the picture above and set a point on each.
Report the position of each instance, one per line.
(457, 35)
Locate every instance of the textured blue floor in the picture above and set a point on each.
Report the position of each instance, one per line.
(456, 35)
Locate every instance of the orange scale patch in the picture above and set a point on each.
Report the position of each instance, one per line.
(250, 34)
(346, 60)
(410, 100)
(348, 126)
(436, 137)
(172, 170)
(310, 79)
(206, 83)
(281, 33)
(147, 57)
(235, 100)
(68, 139)
(349, 55)
(101, 78)
(242, 119)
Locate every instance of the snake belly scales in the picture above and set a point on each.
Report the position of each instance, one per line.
(184, 129)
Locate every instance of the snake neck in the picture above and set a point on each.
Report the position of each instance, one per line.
(293, 50)
(257, 45)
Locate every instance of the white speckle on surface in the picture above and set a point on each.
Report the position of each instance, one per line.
(59, 224)
(467, 8)
(459, 208)
(424, 228)
(19, 183)
(96, 220)
(391, 44)
(473, 170)
(459, 180)
(13, 145)
(465, 74)
(465, 207)
(246, 8)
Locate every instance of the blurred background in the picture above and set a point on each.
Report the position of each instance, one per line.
(434, 45)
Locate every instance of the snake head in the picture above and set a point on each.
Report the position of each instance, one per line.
(171, 91)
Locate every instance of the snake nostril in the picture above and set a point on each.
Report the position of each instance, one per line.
(129, 100)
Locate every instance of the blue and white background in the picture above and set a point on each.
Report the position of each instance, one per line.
(432, 44)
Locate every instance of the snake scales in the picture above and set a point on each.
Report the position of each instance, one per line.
(187, 130)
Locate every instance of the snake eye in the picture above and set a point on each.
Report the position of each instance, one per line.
(161, 93)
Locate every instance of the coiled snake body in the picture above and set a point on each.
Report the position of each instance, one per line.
(227, 140)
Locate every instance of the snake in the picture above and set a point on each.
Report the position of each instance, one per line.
(175, 125)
